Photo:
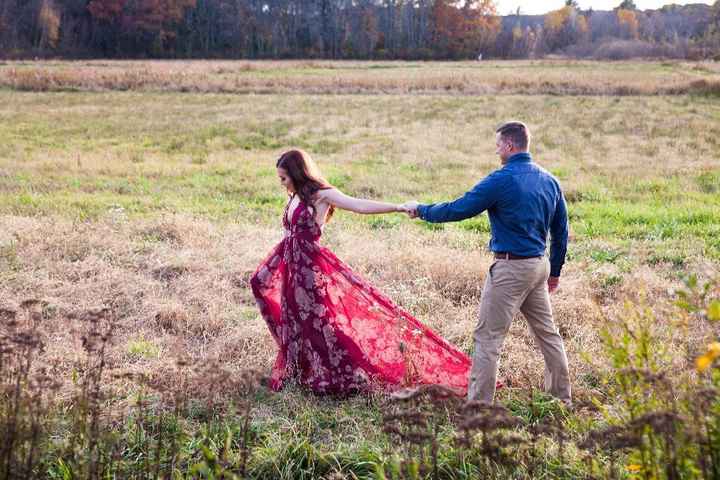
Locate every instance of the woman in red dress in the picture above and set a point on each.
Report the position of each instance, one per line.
(335, 332)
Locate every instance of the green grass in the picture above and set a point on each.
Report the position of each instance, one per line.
(212, 155)
(141, 348)
(641, 176)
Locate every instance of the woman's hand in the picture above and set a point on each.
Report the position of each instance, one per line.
(410, 208)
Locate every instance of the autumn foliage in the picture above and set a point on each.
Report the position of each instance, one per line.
(337, 29)
(628, 22)
(49, 20)
(106, 10)
(157, 18)
(462, 31)
(566, 26)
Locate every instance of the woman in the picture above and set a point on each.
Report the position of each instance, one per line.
(336, 332)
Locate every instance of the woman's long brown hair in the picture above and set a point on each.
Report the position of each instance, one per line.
(305, 176)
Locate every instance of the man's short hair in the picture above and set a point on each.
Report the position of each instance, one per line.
(516, 132)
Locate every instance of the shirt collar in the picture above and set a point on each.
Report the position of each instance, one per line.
(522, 157)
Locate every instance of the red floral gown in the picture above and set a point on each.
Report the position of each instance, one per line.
(335, 332)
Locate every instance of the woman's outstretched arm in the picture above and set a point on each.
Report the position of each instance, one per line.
(338, 199)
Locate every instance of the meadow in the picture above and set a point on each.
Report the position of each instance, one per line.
(142, 195)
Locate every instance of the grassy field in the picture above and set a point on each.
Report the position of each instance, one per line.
(158, 198)
(559, 77)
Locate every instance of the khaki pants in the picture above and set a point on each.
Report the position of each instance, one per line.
(511, 285)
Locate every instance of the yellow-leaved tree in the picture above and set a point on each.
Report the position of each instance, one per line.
(464, 31)
(564, 27)
(49, 20)
(628, 23)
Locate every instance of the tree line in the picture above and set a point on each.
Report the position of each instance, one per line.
(341, 29)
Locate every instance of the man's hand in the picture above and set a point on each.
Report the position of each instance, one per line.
(553, 283)
(411, 208)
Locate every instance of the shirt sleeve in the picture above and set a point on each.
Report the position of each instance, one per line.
(558, 237)
(480, 198)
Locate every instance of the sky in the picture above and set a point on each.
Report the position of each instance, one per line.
(530, 7)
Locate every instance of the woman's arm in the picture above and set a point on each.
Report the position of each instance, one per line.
(338, 199)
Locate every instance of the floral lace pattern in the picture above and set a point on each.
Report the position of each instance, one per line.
(335, 332)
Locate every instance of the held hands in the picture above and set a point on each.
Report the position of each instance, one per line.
(410, 208)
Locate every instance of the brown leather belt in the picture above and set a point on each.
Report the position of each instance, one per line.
(511, 256)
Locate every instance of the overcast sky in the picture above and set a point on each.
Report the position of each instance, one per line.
(530, 7)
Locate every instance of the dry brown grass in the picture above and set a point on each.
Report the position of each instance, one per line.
(465, 78)
(180, 300)
(182, 293)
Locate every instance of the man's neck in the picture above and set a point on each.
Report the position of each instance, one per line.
(514, 155)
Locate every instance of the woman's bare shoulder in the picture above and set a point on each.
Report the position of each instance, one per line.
(326, 194)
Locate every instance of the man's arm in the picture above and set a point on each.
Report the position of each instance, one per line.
(558, 237)
(480, 198)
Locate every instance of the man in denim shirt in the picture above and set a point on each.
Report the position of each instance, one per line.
(524, 203)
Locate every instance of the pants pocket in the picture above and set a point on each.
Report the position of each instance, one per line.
(500, 272)
(490, 271)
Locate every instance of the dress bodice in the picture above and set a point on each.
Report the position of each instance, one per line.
(301, 223)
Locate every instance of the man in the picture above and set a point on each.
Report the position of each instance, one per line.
(524, 203)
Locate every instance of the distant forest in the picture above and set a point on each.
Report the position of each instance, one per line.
(349, 29)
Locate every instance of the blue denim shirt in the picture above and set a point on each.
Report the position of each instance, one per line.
(524, 203)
